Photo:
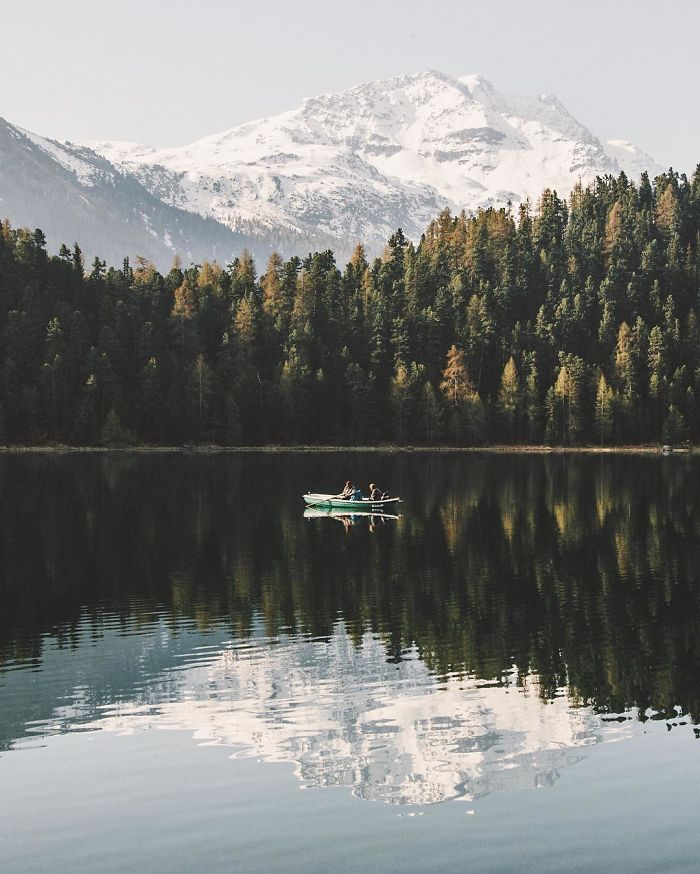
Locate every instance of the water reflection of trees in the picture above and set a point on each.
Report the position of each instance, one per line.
(579, 569)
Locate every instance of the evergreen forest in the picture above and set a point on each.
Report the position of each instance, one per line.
(565, 322)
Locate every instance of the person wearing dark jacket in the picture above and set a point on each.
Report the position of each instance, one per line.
(375, 494)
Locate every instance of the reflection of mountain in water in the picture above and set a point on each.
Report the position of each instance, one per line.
(366, 647)
(338, 710)
(389, 731)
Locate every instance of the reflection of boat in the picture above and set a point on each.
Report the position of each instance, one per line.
(329, 512)
(332, 502)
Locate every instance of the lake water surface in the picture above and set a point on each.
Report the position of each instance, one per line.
(197, 676)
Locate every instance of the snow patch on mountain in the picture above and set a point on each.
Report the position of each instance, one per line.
(82, 162)
(633, 160)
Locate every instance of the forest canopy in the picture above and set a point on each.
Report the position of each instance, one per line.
(568, 322)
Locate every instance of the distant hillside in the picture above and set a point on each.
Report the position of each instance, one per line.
(73, 194)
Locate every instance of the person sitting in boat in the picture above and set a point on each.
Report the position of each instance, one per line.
(375, 494)
(357, 495)
(348, 491)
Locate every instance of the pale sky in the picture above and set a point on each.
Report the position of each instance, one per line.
(167, 72)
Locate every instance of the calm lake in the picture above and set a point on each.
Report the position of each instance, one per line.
(197, 676)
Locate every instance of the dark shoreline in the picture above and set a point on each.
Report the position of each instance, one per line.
(497, 449)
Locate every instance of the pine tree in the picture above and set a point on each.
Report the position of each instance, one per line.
(466, 419)
(183, 311)
(456, 384)
(401, 402)
(509, 400)
(357, 394)
(626, 380)
(295, 384)
(658, 382)
(273, 300)
(604, 405)
(246, 329)
(674, 427)
(150, 406)
(532, 403)
(200, 394)
(565, 407)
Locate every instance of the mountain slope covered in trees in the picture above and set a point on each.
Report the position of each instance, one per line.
(576, 322)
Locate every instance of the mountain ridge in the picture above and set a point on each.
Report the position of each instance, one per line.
(360, 163)
(75, 195)
(340, 168)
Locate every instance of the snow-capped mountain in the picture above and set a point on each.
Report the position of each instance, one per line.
(75, 195)
(358, 164)
(342, 168)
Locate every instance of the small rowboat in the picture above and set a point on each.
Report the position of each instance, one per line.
(328, 502)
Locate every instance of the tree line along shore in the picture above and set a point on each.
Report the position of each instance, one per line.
(564, 323)
(382, 448)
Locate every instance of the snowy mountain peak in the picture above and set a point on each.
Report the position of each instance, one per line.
(479, 86)
(357, 164)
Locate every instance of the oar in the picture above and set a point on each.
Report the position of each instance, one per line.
(324, 501)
